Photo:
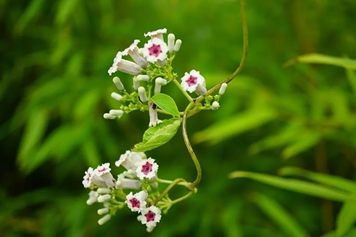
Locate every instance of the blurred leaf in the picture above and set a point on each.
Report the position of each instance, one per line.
(280, 216)
(325, 59)
(330, 180)
(166, 103)
(35, 129)
(301, 142)
(159, 135)
(31, 12)
(346, 218)
(351, 76)
(350, 233)
(234, 125)
(58, 144)
(296, 186)
(65, 8)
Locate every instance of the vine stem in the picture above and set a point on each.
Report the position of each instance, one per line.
(243, 57)
(189, 146)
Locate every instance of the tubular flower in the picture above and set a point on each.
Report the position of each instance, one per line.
(193, 81)
(150, 216)
(136, 202)
(133, 51)
(124, 66)
(147, 169)
(129, 159)
(155, 50)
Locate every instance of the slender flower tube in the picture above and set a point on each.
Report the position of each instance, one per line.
(153, 115)
(124, 66)
(124, 183)
(133, 51)
(129, 159)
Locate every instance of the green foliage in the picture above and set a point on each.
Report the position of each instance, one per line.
(159, 135)
(166, 103)
(54, 89)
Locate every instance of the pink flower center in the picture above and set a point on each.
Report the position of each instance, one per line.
(146, 168)
(155, 50)
(191, 80)
(150, 216)
(102, 170)
(135, 203)
(88, 178)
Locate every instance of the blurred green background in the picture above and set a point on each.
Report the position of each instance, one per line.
(54, 89)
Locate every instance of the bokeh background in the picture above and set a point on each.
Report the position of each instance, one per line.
(54, 89)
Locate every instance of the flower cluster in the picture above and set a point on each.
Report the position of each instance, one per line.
(151, 68)
(140, 173)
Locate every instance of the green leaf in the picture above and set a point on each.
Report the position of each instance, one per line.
(302, 142)
(351, 76)
(166, 103)
(235, 125)
(330, 180)
(280, 216)
(304, 187)
(159, 135)
(325, 59)
(346, 218)
(34, 132)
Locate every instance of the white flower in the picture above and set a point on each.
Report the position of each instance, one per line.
(147, 169)
(133, 51)
(152, 111)
(124, 183)
(103, 171)
(136, 202)
(88, 177)
(193, 81)
(157, 34)
(129, 159)
(124, 66)
(155, 50)
(150, 216)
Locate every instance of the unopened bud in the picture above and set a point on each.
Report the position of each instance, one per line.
(104, 219)
(143, 77)
(222, 88)
(118, 83)
(177, 45)
(103, 211)
(109, 116)
(215, 105)
(116, 112)
(116, 96)
(104, 198)
(142, 94)
(171, 38)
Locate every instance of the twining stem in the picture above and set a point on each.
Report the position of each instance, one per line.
(244, 53)
(182, 198)
(189, 146)
(166, 191)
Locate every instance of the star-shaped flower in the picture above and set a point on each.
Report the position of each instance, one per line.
(147, 169)
(136, 202)
(193, 81)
